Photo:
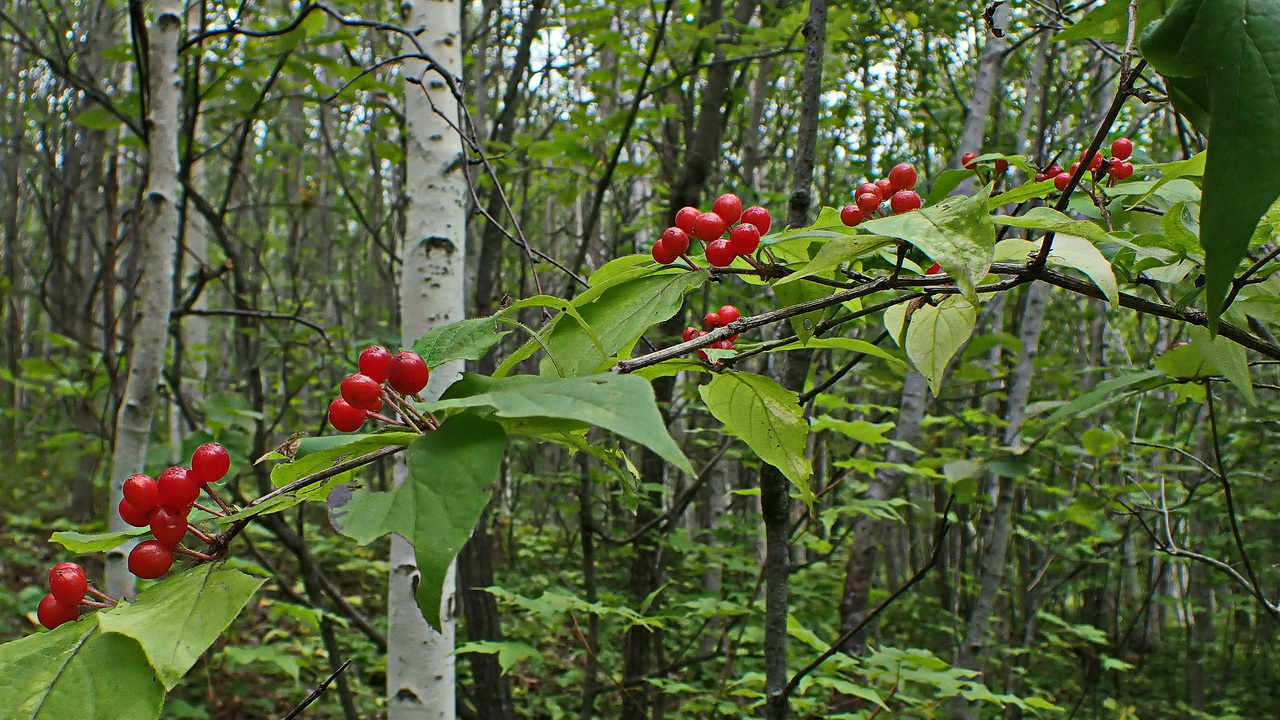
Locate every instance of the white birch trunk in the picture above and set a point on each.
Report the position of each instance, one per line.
(420, 661)
(155, 289)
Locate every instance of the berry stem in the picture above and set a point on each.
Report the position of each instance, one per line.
(410, 413)
(209, 510)
(207, 538)
(96, 604)
(226, 509)
(179, 550)
(689, 262)
(383, 418)
(98, 593)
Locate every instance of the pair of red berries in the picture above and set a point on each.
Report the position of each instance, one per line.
(970, 162)
(67, 588)
(710, 227)
(1117, 166)
(896, 189)
(711, 321)
(164, 504)
(361, 393)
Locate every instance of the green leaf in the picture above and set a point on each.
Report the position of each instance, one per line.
(619, 315)
(764, 415)
(323, 456)
(76, 671)
(1090, 401)
(805, 324)
(850, 344)
(1110, 22)
(98, 118)
(463, 340)
(178, 618)
(1184, 362)
(936, 333)
(451, 472)
(1022, 192)
(1045, 218)
(1230, 45)
(834, 253)
(85, 543)
(509, 653)
(622, 404)
(1228, 358)
(957, 233)
(1080, 254)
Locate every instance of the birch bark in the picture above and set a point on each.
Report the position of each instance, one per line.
(420, 661)
(155, 288)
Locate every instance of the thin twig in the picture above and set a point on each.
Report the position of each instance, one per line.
(318, 691)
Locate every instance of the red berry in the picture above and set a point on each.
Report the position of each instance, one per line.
(729, 207)
(759, 217)
(675, 241)
(409, 374)
(865, 188)
(1122, 170)
(905, 201)
(689, 333)
(1041, 177)
(178, 488)
(709, 226)
(686, 218)
(967, 160)
(360, 390)
(728, 314)
(1061, 181)
(850, 215)
(53, 612)
(662, 254)
(719, 254)
(869, 202)
(134, 515)
(903, 176)
(1095, 160)
(1122, 149)
(885, 187)
(1053, 172)
(744, 238)
(711, 321)
(151, 559)
(140, 490)
(721, 345)
(67, 583)
(169, 526)
(374, 361)
(343, 417)
(210, 463)
(934, 269)
(1072, 170)
(1002, 165)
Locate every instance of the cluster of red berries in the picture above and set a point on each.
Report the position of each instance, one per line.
(970, 162)
(710, 228)
(164, 503)
(1117, 166)
(362, 392)
(895, 190)
(711, 321)
(67, 589)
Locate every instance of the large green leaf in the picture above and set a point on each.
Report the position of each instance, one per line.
(77, 671)
(463, 340)
(336, 448)
(178, 618)
(935, 333)
(1069, 251)
(618, 316)
(1230, 47)
(764, 415)
(622, 404)
(957, 233)
(1110, 22)
(1230, 359)
(834, 253)
(1044, 218)
(83, 543)
(451, 471)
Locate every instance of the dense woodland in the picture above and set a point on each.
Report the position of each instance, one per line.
(1120, 562)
